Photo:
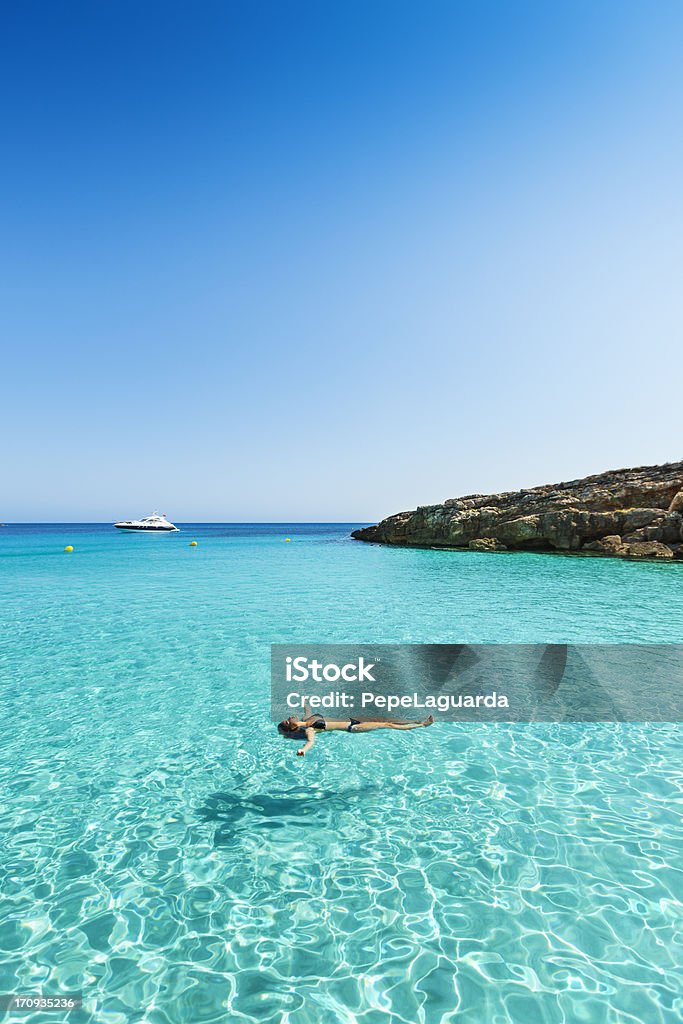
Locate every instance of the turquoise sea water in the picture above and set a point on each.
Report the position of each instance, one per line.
(166, 853)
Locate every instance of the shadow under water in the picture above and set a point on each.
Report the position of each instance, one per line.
(236, 812)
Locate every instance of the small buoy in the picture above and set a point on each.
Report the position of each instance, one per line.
(287, 540)
(193, 543)
(68, 548)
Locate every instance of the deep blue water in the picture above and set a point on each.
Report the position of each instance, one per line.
(167, 854)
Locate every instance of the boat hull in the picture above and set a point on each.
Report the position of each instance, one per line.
(147, 529)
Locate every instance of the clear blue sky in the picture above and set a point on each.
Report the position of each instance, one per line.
(330, 260)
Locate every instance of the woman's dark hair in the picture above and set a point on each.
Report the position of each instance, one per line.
(288, 727)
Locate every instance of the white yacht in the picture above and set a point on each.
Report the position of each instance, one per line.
(152, 524)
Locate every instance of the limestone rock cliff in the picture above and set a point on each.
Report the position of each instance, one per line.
(628, 513)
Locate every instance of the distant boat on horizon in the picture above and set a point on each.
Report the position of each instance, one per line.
(155, 523)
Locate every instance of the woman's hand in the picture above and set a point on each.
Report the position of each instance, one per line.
(310, 740)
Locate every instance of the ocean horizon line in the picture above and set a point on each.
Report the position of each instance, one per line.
(199, 522)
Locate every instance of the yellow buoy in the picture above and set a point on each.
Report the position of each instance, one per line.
(287, 540)
(68, 548)
(193, 543)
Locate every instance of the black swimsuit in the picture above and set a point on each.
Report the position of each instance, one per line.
(320, 724)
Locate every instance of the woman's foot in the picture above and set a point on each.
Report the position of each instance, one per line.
(429, 721)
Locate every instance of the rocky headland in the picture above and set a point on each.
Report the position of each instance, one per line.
(624, 513)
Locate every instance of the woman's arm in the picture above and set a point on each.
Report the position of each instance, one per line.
(310, 740)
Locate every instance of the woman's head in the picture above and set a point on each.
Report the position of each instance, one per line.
(288, 727)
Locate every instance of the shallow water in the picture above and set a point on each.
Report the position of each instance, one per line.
(167, 854)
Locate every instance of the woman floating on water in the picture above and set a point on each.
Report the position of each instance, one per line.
(306, 728)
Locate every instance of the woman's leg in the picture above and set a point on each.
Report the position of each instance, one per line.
(371, 726)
